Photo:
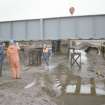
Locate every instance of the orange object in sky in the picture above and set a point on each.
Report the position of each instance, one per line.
(13, 56)
(72, 10)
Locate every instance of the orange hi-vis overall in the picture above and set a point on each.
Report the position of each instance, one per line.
(45, 50)
(13, 56)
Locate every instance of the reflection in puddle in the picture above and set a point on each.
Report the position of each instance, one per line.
(51, 67)
(79, 86)
(100, 91)
(70, 89)
(100, 88)
(85, 89)
(74, 81)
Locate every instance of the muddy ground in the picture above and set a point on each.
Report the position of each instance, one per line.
(42, 86)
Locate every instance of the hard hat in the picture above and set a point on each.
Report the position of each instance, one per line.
(12, 41)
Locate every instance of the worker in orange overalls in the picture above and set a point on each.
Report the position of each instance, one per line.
(13, 57)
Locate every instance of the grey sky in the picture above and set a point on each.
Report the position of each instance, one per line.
(32, 9)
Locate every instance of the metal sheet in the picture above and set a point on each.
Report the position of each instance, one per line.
(5, 31)
(85, 27)
(19, 32)
(33, 30)
(67, 28)
(100, 26)
(51, 29)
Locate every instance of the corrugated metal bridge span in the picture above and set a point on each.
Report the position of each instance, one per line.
(75, 27)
